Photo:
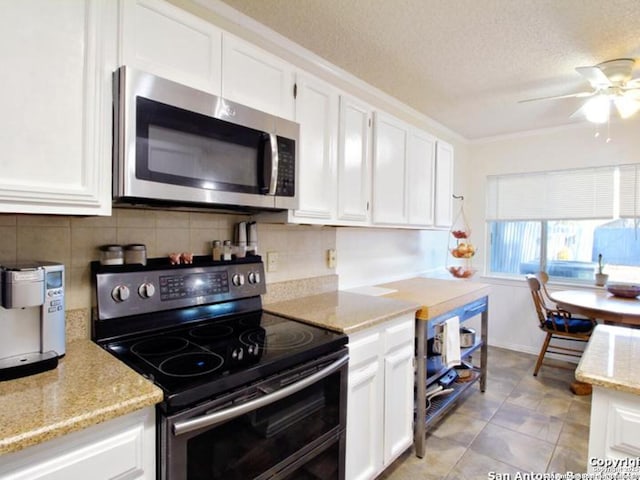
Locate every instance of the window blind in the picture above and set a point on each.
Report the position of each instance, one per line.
(587, 193)
(629, 193)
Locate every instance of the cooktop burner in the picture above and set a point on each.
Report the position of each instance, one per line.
(192, 362)
(278, 338)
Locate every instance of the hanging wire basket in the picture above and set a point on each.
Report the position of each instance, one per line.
(460, 246)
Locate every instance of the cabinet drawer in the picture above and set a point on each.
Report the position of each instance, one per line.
(122, 448)
(363, 348)
(399, 333)
(465, 312)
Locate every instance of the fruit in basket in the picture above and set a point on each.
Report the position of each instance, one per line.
(464, 250)
(461, 272)
(459, 233)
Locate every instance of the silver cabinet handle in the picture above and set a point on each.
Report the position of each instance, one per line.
(273, 184)
(209, 420)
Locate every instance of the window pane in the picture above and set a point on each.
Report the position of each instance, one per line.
(573, 248)
(515, 247)
(619, 243)
(570, 248)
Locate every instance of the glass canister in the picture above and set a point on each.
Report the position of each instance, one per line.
(135, 253)
(111, 255)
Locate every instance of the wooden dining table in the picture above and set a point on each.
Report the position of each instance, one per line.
(599, 304)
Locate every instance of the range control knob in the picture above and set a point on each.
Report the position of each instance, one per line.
(146, 290)
(120, 293)
(237, 279)
(254, 277)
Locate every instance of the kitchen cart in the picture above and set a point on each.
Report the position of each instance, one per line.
(441, 300)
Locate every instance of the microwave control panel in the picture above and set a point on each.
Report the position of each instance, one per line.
(286, 167)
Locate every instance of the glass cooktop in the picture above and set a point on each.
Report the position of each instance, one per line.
(194, 362)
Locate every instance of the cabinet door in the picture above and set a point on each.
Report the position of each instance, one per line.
(420, 177)
(389, 179)
(398, 402)
(256, 78)
(354, 154)
(364, 407)
(443, 184)
(160, 38)
(399, 340)
(316, 112)
(55, 127)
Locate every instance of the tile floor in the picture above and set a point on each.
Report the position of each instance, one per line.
(521, 423)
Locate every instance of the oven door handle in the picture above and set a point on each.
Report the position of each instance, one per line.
(209, 420)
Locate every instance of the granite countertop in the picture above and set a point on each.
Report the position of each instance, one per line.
(435, 296)
(611, 359)
(342, 311)
(89, 386)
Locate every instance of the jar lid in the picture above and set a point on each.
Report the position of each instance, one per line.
(111, 248)
(135, 246)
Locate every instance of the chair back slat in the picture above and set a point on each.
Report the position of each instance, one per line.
(545, 313)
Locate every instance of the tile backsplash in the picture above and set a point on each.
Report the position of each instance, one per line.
(74, 241)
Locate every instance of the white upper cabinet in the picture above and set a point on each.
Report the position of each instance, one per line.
(255, 78)
(444, 185)
(412, 175)
(421, 177)
(162, 39)
(354, 161)
(55, 128)
(317, 114)
(389, 176)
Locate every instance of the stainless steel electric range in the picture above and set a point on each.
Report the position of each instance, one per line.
(247, 394)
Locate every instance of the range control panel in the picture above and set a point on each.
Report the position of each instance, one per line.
(121, 294)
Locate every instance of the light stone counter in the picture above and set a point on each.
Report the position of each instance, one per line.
(612, 359)
(342, 311)
(89, 386)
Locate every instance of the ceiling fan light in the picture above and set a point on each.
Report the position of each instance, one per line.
(626, 106)
(596, 109)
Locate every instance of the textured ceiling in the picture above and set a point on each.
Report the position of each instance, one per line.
(464, 63)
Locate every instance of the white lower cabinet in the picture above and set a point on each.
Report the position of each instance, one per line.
(380, 396)
(123, 449)
(615, 426)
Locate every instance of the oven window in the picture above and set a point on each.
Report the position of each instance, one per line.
(292, 431)
(185, 148)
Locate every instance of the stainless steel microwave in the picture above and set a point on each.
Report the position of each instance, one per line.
(176, 145)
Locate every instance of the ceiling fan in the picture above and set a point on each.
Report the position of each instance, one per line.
(612, 85)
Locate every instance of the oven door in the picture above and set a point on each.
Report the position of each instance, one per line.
(290, 426)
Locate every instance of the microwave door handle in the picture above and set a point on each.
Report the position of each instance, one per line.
(273, 179)
(211, 419)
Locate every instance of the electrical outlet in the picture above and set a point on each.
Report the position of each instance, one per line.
(272, 261)
(331, 258)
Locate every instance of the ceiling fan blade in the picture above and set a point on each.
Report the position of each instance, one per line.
(595, 76)
(595, 110)
(578, 113)
(555, 97)
(626, 105)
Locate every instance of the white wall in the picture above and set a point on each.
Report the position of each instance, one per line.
(512, 318)
(369, 256)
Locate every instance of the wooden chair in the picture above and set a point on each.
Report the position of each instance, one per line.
(557, 324)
